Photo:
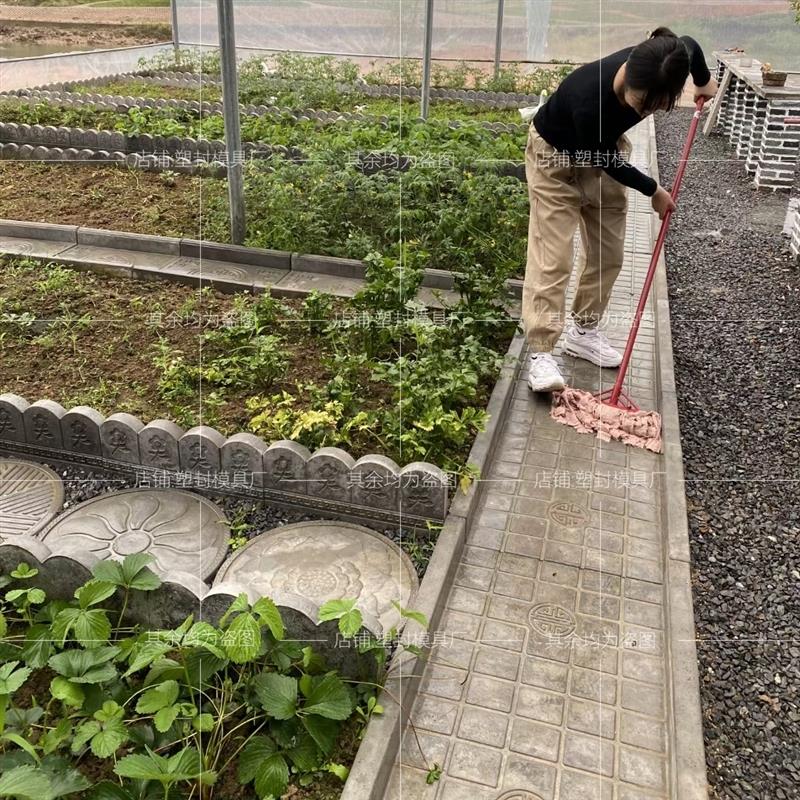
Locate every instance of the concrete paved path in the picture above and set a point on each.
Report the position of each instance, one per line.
(551, 676)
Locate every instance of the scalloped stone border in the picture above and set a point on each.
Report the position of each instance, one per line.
(193, 79)
(123, 102)
(329, 480)
(209, 163)
(146, 151)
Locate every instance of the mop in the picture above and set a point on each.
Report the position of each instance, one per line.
(612, 414)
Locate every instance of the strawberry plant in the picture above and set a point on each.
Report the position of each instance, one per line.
(174, 713)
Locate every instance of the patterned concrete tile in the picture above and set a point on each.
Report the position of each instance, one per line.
(530, 774)
(533, 739)
(478, 725)
(642, 732)
(545, 674)
(580, 786)
(497, 663)
(490, 693)
(424, 749)
(539, 705)
(434, 714)
(642, 769)
(589, 753)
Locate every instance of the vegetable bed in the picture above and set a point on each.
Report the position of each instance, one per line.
(302, 98)
(451, 217)
(332, 140)
(452, 207)
(374, 374)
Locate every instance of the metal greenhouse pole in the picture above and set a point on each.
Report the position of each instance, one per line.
(230, 111)
(426, 59)
(176, 41)
(498, 46)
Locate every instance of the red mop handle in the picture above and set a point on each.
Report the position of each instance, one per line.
(626, 357)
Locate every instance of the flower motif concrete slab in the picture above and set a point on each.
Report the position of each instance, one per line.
(30, 496)
(181, 530)
(304, 565)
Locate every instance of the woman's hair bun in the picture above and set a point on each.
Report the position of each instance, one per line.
(663, 31)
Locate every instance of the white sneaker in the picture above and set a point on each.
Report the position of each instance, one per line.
(591, 344)
(544, 374)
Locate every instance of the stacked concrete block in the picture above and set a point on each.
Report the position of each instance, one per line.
(763, 125)
(723, 105)
(726, 121)
(756, 134)
(780, 145)
(737, 112)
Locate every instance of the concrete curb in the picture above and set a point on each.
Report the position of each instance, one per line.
(372, 768)
(251, 256)
(688, 768)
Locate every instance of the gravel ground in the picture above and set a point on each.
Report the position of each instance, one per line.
(735, 303)
(255, 517)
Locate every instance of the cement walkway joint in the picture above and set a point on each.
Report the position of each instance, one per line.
(556, 672)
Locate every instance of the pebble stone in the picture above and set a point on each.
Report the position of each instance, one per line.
(734, 303)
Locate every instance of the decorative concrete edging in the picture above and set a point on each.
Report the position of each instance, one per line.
(188, 537)
(123, 102)
(369, 775)
(761, 122)
(182, 593)
(688, 768)
(194, 79)
(145, 151)
(329, 480)
(91, 139)
(162, 453)
(213, 163)
(211, 166)
(72, 235)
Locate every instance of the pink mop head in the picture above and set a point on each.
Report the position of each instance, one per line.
(620, 418)
(584, 412)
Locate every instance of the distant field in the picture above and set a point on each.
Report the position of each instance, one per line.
(128, 3)
(765, 28)
(95, 4)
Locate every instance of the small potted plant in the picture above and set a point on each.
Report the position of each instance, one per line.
(770, 77)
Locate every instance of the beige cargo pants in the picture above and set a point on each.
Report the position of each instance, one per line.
(562, 197)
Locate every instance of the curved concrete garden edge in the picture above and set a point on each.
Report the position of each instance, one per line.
(114, 141)
(329, 480)
(22, 142)
(182, 591)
